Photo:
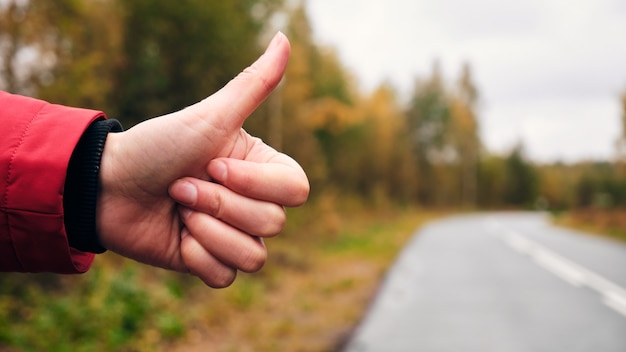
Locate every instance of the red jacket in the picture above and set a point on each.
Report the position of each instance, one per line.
(36, 143)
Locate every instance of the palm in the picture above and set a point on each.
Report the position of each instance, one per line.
(140, 216)
(147, 231)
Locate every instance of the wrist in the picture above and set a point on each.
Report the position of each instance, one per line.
(107, 189)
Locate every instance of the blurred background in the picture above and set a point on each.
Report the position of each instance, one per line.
(399, 111)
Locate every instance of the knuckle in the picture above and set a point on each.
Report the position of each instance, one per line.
(215, 204)
(246, 183)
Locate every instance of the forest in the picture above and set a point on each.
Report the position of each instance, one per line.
(366, 153)
(141, 60)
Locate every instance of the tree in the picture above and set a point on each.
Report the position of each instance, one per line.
(133, 59)
(176, 53)
(521, 179)
(26, 54)
(491, 179)
(11, 42)
(620, 144)
(390, 170)
(464, 130)
(84, 54)
(318, 105)
(428, 118)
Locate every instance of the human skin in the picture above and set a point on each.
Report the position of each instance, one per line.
(192, 191)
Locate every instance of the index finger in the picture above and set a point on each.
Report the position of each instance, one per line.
(280, 180)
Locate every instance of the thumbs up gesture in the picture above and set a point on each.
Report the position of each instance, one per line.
(192, 191)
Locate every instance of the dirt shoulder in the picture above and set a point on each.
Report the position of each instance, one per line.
(312, 293)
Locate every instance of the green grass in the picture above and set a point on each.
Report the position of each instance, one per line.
(321, 275)
(104, 310)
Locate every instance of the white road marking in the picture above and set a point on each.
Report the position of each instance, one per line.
(616, 301)
(613, 295)
(558, 267)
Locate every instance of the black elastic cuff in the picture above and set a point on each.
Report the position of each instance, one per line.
(82, 186)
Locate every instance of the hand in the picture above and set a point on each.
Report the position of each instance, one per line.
(212, 236)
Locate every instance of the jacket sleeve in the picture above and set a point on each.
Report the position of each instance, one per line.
(36, 142)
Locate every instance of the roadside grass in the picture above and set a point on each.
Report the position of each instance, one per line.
(321, 276)
(322, 273)
(607, 223)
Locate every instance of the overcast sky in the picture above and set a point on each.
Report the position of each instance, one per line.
(549, 71)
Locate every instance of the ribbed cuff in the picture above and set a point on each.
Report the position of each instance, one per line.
(82, 186)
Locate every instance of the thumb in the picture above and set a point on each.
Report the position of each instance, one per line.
(227, 109)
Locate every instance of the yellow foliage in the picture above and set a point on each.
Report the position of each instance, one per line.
(329, 113)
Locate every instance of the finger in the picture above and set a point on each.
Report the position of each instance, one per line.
(252, 216)
(227, 109)
(227, 244)
(278, 183)
(201, 263)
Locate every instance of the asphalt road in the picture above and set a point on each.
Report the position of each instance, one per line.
(503, 282)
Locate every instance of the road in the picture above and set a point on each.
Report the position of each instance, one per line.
(503, 282)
